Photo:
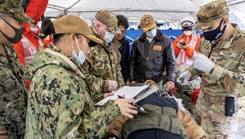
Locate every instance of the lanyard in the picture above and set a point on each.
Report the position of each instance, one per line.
(213, 45)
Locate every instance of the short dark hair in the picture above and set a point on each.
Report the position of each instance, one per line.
(123, 21)
(47, 27)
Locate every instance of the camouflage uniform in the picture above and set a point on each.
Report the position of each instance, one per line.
(103, 64)
(184, 91)
(59, 103)
(12, 82)
(13, 94)
(227, 78)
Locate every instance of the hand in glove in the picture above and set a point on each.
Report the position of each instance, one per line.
(184, 78)
(170, 84)
(112, 85)
(202, 63)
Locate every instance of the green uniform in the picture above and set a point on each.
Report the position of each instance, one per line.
(227, 79)
(12, 94)
(103, 64)
(59, 102)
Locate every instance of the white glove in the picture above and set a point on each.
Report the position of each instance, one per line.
(112, 85)
(202, 63)
(184, 78)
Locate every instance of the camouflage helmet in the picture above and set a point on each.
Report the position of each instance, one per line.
(109, 19)
(211, 12)
(14, 9)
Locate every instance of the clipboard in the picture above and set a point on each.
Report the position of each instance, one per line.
(148, 92)
(131, 91)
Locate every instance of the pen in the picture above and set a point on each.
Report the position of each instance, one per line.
(139, 107)
(120, 96)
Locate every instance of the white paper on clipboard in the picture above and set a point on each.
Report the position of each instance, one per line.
(127, 91)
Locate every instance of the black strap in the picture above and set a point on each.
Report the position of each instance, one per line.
(213, 45)
(185, 93)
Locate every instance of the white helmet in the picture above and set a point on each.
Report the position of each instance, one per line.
(187, 23)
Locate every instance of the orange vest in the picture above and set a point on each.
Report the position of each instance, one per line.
(184, 56)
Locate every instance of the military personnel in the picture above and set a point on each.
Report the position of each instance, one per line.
(221, 62)
(59, 102)
(103, 62)
(12, 82)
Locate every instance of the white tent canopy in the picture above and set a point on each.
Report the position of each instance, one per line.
(160, 9)
(135, 9)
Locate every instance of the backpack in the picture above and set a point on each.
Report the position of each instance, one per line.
(159, 120)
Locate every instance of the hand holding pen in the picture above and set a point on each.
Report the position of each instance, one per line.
(136, 105)
(126, 107)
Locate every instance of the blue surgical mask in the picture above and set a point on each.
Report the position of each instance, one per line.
(81, 56)
(108, 36)
(214, 34)
(151, 33)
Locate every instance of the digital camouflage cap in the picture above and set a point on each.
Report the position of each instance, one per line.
(211, 12)
(14, 9)
(108, 18)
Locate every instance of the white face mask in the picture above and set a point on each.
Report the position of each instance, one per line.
(108, 36)
(152, 33)
(34, 29)
(81, 56)
(188, 33)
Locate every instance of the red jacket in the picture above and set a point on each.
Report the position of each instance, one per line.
(36, 9)
(31, 37)
(19, 47)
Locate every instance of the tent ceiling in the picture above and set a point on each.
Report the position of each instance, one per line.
(134, 9)
(160, 9)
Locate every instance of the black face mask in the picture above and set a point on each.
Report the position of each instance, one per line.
(215, 34)
(18, 33)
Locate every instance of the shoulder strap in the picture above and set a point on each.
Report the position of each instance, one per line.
(73, 66)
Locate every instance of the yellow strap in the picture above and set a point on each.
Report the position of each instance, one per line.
(73, 66)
